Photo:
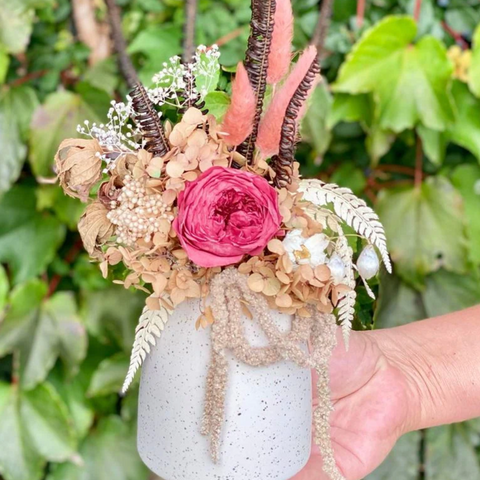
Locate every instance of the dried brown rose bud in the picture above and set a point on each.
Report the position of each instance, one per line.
(79, 166)
(95, 228)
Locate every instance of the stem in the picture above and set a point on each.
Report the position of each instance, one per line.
(189, 30)
(418, 164)
(229, 36)
(15, 367)
(124, 61)
(360, 12)
(455, 35)
(416, 10)
(321, 31)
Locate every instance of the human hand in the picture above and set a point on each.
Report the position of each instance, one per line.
(372, 396)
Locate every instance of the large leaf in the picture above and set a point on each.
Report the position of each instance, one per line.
(52, 122)
(425, 229)
(466, 129)
(15, 24)
(398, 303)
(403, 462)
(16, 107)
(409, 81)
(4, 288)
(314, 125)
(466, 179)
(41, 331)
(109, 452)
(109, 376)
(474, 70)
(447, 292)
(28, 240)
(217, 104)
(18, 458)
(450, 454)
(34, 427)
(45, 417)
(109, 323)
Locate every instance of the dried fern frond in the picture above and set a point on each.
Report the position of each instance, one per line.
(282, 164)
(351, 209)
(256, 63)
(150, 326)
(149, 122)
(346, 305)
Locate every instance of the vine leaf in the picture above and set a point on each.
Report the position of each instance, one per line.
(150, 326)
(409, 81)
(351, 209)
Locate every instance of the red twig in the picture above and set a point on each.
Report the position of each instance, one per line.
(360, 12)
(230, 36)
(29, 76)
(455, 35)
(416, 10)
(69, 258)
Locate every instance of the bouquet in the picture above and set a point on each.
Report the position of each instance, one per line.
(178, 197)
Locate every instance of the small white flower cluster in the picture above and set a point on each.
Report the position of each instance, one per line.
(118, 135)
(315, 251)
(176, 83)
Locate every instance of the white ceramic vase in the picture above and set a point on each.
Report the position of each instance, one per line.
(268, 416)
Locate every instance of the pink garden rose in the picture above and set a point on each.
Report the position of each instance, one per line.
(225, 214)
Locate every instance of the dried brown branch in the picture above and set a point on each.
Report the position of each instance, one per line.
(360, 12)
(94, 34)
(321, 31)
(124, 62)
(191, 7)
(256, 63)
(282, 164)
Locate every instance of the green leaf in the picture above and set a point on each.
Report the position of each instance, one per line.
(466, 179)
(103, 75)
(4, 63)
(4, 288)
(434, 144)
(15, 25)
(409, 81)
(350, 108)
(208, 75)
(109, 376)
(158, 45)
(18, 458)
(109, 452)
(465, 131)
(52, 122)
(403, 462)
(41, 331)
(447, 292)
(217, 104)
(425, 229)
(398, 303)
(16, 107)
(28, 240)
(106, 321)
(474, 69)
(450, 454)
(350, 176)
(314, 125)
(46, 419)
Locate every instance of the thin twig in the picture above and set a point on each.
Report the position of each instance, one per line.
(418, 163)
(189, 30)
(230, 36)
(29, 76)
(456, 36)
(124, 62)
(360, 13)
(416, 10)
(323, 25)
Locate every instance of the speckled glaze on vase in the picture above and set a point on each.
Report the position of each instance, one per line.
(268, 417)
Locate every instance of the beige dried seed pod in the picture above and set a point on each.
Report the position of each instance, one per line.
(79, 166)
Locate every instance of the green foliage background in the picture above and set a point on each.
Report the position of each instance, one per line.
(391, 121)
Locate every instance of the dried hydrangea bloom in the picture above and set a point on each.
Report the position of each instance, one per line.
(95, 228)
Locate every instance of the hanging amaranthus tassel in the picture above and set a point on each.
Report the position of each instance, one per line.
(228, 289)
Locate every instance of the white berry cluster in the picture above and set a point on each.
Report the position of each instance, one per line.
(138, 214)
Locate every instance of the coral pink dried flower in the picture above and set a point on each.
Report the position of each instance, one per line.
(226, 214)
(280, 50)
(269, 132)
(239, 117)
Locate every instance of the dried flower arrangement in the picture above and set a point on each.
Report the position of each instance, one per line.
(182, 205)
